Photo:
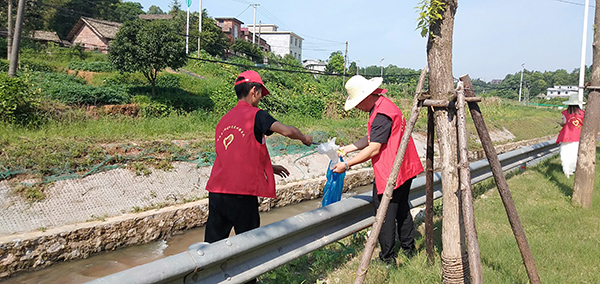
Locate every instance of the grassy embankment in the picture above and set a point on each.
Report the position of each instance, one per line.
(564, 239)
(178, 123)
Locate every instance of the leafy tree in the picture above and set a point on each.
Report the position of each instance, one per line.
(155, 10)
(126, 11)
(352, 69)
(68, 15)
(147, 47)
(251, 50)
(212, 39)
(175, 7)
(335, 65)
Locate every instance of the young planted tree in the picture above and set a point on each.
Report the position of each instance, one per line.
(437, 22)
(147, 47)
(583, 188)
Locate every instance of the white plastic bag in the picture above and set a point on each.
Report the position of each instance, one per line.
(330, 149)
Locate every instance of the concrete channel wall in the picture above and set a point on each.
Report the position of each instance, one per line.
(41, 248)
(37, 250)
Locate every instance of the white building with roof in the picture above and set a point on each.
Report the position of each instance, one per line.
(314, 65)
(561, 91)
(281, 42)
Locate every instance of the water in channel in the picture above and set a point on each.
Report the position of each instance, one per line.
(103, 264)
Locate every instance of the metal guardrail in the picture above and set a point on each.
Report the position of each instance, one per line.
(245, 256)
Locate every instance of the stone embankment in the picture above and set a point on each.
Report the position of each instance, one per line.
(108, 210)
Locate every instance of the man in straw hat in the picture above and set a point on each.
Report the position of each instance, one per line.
(380, 145)
(568, 137)
(242, 170)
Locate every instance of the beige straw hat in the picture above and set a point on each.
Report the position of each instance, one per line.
(359, 88)
(574, 100)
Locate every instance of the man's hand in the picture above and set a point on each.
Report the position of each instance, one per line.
(280, 171)
(339, 168)
(307, 140)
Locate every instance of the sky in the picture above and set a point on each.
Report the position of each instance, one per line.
(492, 38)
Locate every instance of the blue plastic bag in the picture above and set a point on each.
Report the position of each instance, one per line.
(332, 192)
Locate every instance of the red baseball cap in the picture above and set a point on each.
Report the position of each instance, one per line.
(251, 76)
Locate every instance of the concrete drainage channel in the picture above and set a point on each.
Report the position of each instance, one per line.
(248, 255)
(36, 250)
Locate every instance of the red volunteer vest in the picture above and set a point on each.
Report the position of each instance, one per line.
(384, 161)
(242, 165)
(571, 131)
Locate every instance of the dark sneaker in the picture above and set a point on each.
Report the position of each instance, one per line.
(410, 252)
(389, 262)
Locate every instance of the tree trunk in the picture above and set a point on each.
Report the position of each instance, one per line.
(9, 36)
(14, 52)
(441, 87)
(583, 188)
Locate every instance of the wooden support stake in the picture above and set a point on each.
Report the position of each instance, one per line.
(429, 187)
(363, 267)
(466, 192)
(445, 103)
(502, 185)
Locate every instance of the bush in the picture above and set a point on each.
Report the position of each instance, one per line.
(27, 65)
(73, 90)
(18, 102)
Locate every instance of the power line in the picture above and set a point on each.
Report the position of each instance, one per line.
(243, 11)
(573, 3)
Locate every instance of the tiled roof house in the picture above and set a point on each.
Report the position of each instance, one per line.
(93, 34)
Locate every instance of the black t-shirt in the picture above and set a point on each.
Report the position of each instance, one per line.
(381, 129)
(262, 123)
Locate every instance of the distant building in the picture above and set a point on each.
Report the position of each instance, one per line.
(45, 37)
(561, 91)
(155, 16)
(314, 65)
(93, 34)
(40, 36)
(281, 42)
(496, 81)
(232, 27)
(249, 37)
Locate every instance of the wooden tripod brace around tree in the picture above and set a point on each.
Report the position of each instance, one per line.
(471, 233)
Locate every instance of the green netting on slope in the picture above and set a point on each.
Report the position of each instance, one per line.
(277, 145)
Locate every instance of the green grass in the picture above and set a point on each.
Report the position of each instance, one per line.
(563, 238)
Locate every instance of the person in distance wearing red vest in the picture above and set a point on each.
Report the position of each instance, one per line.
(568, 137)
(380, 145)
(242, 170)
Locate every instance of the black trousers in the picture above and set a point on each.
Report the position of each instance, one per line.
(226, 211)
(398, 212)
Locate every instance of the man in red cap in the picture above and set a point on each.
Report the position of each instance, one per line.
(242, 170)
(385, 129)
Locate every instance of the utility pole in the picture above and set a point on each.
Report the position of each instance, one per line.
(14, 53)
(345, 59)
(187, 29)
(583, 44)
(357, 61)
(199, 26)
(259, 27)
(382, 67)
(9, 37)
(254, 25)
(521, 85)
